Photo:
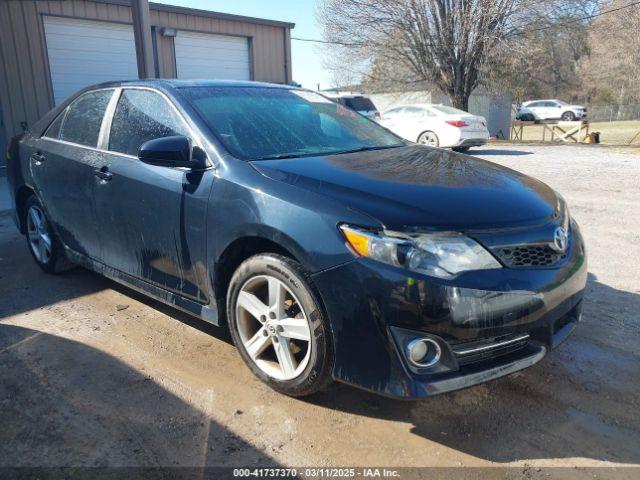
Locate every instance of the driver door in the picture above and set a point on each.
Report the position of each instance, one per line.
(152, 219)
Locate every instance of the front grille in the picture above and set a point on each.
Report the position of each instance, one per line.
(528, 256)
(488, 348)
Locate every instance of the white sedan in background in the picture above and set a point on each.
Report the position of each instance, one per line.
(437, 126)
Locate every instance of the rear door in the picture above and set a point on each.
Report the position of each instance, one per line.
(152, 219)
(553, 109)
(415, 120)
(538, 109)
(62, 164)
(392, 119)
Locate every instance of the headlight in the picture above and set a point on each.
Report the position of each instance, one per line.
(563, 212)
(442, 255)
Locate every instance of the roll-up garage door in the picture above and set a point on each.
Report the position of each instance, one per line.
(201, 55)
(85, 52)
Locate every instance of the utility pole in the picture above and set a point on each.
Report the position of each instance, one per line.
(142, 34)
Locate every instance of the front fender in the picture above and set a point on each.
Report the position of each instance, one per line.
(245, 203)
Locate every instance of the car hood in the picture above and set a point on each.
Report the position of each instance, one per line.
(418, 186)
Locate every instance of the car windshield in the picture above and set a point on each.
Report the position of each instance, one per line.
(448, 110)
(560, 102)
(260, 123)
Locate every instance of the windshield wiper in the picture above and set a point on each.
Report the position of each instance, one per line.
(285, 155)
(366, 149)
(319, 154)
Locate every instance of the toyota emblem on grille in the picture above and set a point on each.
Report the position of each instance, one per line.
(560, 240)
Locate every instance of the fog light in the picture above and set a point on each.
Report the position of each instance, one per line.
(423, 352)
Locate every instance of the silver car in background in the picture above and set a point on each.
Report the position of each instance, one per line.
(550, 110)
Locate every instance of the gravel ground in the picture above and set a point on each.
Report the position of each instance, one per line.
(93, 374)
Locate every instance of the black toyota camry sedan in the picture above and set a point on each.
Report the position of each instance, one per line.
(331, 248)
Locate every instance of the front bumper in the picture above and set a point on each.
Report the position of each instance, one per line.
(368, 302)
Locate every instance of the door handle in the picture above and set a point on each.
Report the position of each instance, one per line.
(37, 158)
(103, 174)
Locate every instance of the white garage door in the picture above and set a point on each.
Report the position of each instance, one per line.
(200, 55)
(84, 52)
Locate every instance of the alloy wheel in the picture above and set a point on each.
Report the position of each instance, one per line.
(273, 327)
(428, 138)
(38, 233)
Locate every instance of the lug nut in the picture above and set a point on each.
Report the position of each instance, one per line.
(263, 318)
(272, 315)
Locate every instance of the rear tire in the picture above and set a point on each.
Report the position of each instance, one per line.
(44, 245)
(429, 139)
(568, 116)
(278, 325)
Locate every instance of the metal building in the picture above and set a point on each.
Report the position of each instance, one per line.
(52, 48)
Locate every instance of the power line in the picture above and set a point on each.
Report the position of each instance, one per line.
(515, 34)
(575, 20)
(314, 40)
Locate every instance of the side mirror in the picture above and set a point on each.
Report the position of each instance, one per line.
(176, 151)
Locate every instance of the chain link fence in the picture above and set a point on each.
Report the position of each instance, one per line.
(613, 113)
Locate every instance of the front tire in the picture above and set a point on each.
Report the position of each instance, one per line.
(278, 325)
(45, 247)
(568, 116)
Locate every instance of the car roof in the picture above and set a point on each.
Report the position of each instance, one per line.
(160, 84)
(542, 100)
(343, 95)
(420, 105)
(176, 83)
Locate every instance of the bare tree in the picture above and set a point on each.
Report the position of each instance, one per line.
(444, 42)
(612, 71)
(543, 58)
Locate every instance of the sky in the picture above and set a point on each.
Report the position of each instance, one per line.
(305, 56)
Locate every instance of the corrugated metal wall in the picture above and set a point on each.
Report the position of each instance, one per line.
(25, 82)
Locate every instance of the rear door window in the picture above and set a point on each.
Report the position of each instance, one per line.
(140, 116)
(414, 113)
(392, 114)
(83, 119)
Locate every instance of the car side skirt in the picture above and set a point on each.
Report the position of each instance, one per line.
(208, 313)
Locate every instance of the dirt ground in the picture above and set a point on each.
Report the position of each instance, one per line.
(93, 374)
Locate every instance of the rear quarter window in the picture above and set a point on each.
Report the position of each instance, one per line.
(54, 129)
